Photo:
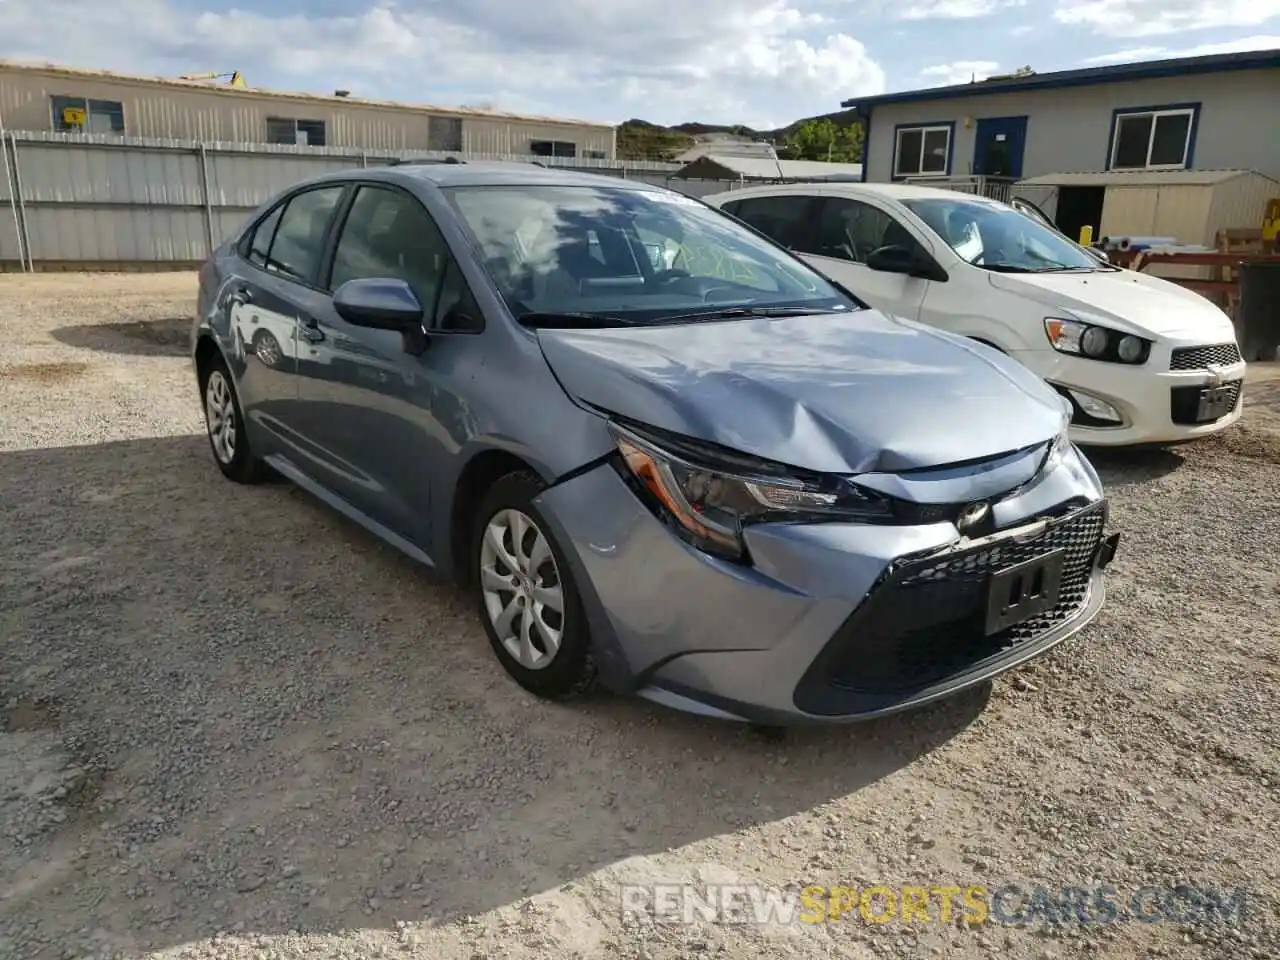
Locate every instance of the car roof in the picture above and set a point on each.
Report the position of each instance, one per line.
(491, 173)
(889, 191)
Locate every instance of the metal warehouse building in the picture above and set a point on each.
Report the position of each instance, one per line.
(53, 98)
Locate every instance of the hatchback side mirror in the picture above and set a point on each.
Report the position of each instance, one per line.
(895, 259)
(380, 303)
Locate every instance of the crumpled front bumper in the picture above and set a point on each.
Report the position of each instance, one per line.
(831, 622)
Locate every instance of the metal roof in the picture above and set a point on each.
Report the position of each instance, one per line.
(203, 86)
(1137, 178)
(764, 168)
(1059, 79)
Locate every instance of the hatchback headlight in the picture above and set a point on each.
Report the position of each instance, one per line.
(1096, 343)
(709, 497)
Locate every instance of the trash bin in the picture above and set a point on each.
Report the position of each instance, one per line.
(1258, 319)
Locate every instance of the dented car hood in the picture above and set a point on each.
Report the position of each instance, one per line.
(839, 393)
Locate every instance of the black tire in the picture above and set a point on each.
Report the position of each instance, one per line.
(242, 466)
(572, 670)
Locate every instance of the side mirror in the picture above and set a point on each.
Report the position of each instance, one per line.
(894, 259)
(380, 303)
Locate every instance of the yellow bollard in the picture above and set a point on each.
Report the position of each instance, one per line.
(1086, 235)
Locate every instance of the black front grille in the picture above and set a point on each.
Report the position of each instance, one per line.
(927, 622)
(1197, 358)
(1184, 403)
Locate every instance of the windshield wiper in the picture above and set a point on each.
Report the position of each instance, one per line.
(729, 313)
(1006, 268)
(572, 321)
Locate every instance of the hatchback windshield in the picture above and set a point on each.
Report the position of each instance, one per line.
(996, 237)
(624, 255)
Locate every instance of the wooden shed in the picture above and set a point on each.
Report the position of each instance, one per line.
(1190, 205)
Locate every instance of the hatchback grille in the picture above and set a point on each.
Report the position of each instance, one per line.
(1197, 358)
(928, 621)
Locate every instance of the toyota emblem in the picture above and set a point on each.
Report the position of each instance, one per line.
(971, 516)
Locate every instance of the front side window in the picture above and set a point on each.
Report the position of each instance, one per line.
(922, 151)
(996, 237)
(626, 255)
(1148, 139)
(389, 234)
(298, 243)
(850, 230)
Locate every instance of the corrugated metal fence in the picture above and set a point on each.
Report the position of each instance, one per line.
(84, 201)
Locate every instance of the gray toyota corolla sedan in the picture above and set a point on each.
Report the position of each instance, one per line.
(661, 451)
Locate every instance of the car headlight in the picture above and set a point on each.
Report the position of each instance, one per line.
(709, 496)
(1095, 342)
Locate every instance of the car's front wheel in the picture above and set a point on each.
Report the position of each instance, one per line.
(225, 424)
(528, 601)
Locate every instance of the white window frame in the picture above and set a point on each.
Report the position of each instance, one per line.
(1155, 115)
(924, 132)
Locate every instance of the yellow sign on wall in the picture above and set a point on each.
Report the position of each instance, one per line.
(74, 116)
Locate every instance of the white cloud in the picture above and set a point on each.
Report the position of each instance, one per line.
(718, 61)
(953, 9)
(1135, 54)
(1149, 18)
(962, 71)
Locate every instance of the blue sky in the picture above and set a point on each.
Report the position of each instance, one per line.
(760, 62)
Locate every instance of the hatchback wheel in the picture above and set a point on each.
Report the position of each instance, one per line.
(528, 601)
(225, 424)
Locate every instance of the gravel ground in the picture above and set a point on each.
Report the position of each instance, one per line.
(234, 725)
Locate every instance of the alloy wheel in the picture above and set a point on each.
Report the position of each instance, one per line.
(220, 414)
(522, 590)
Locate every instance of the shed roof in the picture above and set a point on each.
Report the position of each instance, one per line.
(1059, 79)
(1138, 178)
(7, 66)
(715, 166)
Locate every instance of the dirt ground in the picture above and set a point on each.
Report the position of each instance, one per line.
(233, 725)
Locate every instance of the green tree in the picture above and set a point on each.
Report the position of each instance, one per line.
(824, 140)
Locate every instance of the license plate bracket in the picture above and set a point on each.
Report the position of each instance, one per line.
(1215, 403)
(1025, 590)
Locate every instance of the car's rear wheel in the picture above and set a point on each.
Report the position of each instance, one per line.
(528, 601)
(225, 425)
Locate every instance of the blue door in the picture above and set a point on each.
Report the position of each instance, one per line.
(998, 146)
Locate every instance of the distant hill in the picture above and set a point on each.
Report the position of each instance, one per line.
(642, 140)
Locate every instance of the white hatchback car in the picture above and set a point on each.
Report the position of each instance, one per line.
(1140, 359)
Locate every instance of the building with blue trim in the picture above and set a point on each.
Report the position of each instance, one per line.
(1193, 113)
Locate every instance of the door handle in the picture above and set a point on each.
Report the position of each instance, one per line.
(310, 331)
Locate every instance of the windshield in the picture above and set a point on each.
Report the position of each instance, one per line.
(998, 237)
(625, 255)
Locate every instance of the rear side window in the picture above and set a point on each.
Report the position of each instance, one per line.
(260, 242)
(782, 219)
(298, 244)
